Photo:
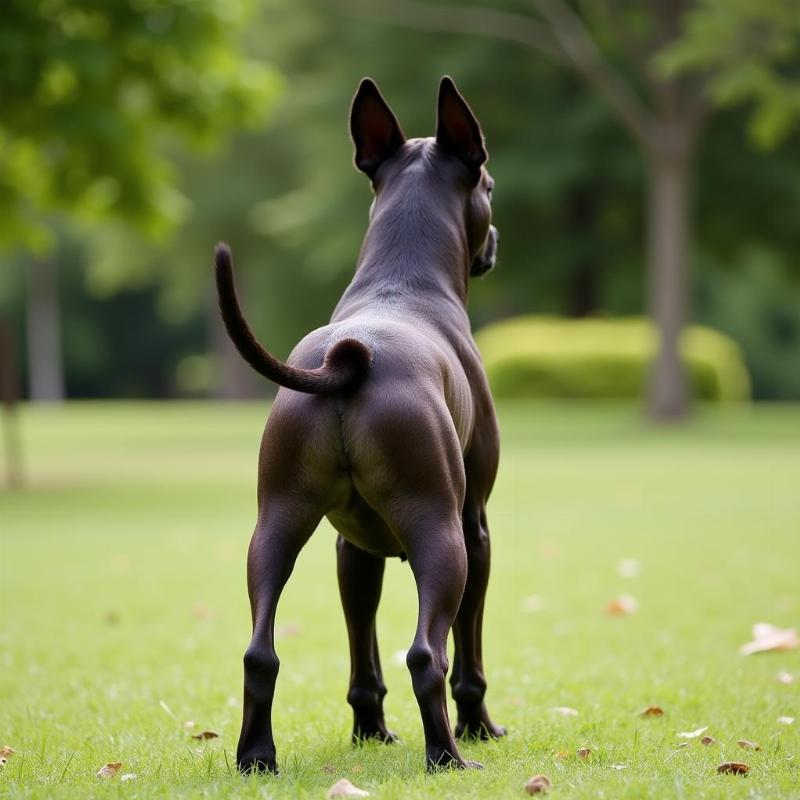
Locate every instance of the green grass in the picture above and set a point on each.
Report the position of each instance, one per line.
(122, 592)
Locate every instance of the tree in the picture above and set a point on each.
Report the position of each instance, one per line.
(94, 92)
(665, 126)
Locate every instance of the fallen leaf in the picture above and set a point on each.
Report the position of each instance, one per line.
(584, 752)
(560, 755)
(733, 768)
(538, 784)
(624, 604)
(707, 740)
(109, 770)
(629, 568)
(785, 678)
(652, 711)
(786, 720)
(746, 744)
(768, 638)
(128, 776)
(205, 735)
(693, 734)
(6, 751)
(344, 788)
(565, 711)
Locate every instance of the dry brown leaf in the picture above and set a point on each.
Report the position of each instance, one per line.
(344, 788)
(785, 678)
(767, 638)
(560, 755)
(205, 735)
(707, 740)
(584, 752)
(565, 711)
(693, 734)
(6, 751)
(786, 720)
(622, 605)
(109, 770)
(746, 744)
(733, 768)
(652, 711)
(538, 784)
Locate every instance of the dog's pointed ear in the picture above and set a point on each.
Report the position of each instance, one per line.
(457, 129)
(374, 128)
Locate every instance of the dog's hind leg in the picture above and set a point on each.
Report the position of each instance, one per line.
(284, 526)
(439, 562)
(468, 681)
(360, 579)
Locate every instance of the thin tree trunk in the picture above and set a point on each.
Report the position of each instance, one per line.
(9, 398)
(668, 239)
(233, 378)
(45, 363)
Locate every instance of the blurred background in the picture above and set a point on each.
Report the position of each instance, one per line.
(645, 154)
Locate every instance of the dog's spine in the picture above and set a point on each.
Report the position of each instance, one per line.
(345, 365)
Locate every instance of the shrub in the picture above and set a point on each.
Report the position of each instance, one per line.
(602, 358)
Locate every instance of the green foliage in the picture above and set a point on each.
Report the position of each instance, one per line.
(749, 49)
(93, 90)
(601, 358)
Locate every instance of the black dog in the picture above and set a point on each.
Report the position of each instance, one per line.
(387, 427)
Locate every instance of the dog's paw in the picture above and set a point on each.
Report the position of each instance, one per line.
(257, 765)
(442, 760)
(481, 730)
(379, 734)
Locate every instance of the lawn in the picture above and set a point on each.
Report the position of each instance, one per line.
(124, 611)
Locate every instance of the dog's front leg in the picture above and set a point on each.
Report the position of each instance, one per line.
(282, 530)
(360, 579)
(468, 681)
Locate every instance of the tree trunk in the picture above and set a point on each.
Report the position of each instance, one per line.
(668, 238)
(45, 364)
(233, 378)
(8, 402)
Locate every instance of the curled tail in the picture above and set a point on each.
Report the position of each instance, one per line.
(345, 364)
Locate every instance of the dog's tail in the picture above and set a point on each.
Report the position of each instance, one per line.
(345, 364)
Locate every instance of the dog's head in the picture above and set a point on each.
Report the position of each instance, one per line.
(451, 164)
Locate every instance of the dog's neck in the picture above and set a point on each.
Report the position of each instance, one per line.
(415, 246)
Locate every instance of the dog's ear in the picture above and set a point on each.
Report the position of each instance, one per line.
(374, 128)
(457, 129)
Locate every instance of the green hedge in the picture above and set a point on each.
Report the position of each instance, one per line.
(602, 358)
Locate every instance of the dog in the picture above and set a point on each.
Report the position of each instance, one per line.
(385, 425)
